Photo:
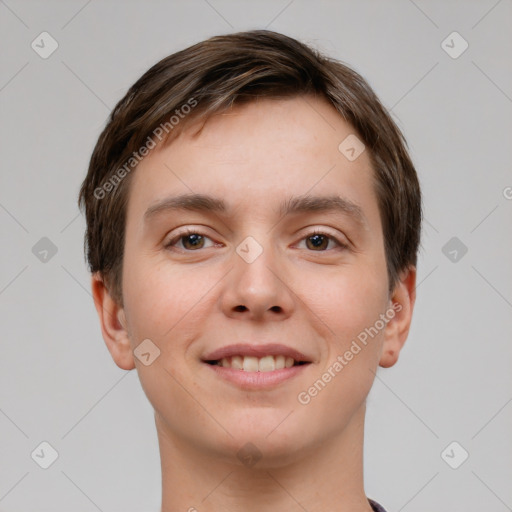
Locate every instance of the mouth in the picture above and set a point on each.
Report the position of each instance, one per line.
(253, 367)
(267, 363)
(257, 358)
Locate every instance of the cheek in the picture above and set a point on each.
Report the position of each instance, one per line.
(351, 305)
(148, 302)
(348, 299)
(162, 300)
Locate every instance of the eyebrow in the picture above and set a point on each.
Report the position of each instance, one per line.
(293, 205)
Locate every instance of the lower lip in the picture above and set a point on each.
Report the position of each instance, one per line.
(257, 380)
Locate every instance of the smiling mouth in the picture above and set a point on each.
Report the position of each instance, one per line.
(267, 363)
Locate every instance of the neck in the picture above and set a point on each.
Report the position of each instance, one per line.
(327, 476)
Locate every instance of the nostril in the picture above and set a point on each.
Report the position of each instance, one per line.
(276, 309)
(240, 308)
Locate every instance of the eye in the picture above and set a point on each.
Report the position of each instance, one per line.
(190, 241)
(318, 241)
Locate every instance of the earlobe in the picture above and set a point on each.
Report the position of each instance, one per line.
(113, 324)
(401, 309)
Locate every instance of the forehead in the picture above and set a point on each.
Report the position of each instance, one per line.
(256, 154)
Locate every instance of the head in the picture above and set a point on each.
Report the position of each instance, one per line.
(249, 190)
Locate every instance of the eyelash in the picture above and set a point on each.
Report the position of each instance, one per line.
(169, 245)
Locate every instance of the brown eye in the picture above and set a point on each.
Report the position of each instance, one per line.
(190, 241)
(317, 242)
(320, 241)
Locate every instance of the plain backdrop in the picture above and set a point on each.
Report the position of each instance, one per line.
(452, 383)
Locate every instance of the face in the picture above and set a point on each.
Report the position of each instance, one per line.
(256, 237)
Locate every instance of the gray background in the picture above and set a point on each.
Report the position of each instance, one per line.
(453, 381)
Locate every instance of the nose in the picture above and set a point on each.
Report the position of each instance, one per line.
(257, 290)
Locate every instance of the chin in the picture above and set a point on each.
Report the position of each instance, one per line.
(261, 439)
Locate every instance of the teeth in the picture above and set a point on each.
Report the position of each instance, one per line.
(267, 364)
(237, 362)
(280, 360)
(250, 364)
(255, 364)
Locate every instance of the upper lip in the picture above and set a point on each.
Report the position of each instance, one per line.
(243, 349)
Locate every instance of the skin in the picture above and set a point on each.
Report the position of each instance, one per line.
(187, 302)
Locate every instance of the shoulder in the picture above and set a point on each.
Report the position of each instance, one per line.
(375, 506)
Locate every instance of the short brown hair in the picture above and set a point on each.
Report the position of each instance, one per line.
(217, 74)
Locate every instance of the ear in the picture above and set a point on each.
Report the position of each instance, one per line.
(113, 324)
(397, 328)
